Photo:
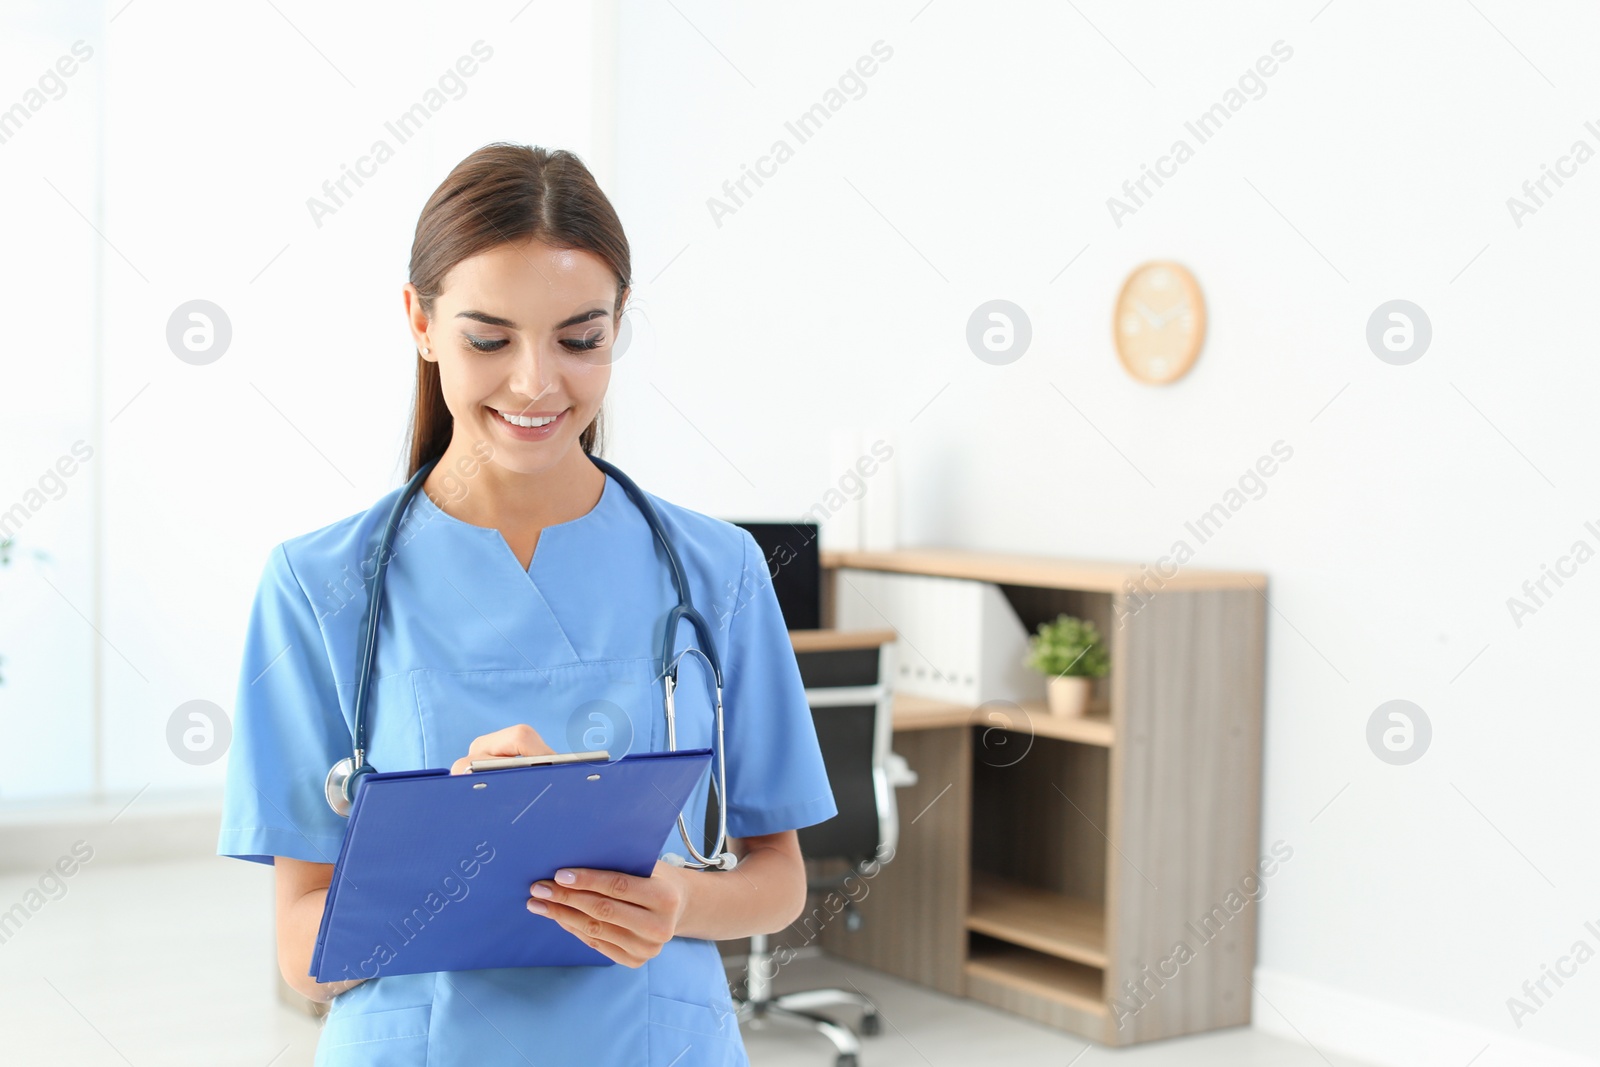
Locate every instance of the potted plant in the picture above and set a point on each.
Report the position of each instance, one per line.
(1070, 653)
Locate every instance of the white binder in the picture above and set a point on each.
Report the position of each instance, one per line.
(960, 640)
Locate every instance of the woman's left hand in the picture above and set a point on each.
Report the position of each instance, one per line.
(623, 917)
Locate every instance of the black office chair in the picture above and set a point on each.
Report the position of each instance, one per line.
(850, 694)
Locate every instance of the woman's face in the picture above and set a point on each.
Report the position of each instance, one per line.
(523, 335)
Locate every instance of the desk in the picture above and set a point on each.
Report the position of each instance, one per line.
(1032, 847)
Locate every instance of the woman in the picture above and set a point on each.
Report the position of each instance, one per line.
(524, 610)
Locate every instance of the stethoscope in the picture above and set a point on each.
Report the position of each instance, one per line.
(343, 776)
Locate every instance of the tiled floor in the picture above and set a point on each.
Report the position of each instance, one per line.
(170, 964)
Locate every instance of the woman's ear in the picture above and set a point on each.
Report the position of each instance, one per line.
(418, 321)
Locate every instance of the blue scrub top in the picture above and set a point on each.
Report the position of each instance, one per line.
(469, 642)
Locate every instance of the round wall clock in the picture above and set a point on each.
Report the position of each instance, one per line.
(1160, 322)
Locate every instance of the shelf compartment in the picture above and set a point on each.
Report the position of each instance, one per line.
(1039, 814)
(1062, 926)
(1056, 991)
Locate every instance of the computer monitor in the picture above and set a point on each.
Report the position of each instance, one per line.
(795, 564)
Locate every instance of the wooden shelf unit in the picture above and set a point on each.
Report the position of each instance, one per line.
(1032, 846)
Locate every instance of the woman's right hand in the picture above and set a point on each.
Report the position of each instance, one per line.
(518, 740)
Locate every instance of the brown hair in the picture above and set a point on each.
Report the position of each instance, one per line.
(504, 193)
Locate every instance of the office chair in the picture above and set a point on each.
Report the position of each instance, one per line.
(850, 694)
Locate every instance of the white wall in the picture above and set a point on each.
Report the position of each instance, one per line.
(219, 124)
(977, 166)
(49, 165)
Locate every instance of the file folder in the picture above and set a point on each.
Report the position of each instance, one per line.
(435, 869)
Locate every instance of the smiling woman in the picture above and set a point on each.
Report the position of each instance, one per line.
(531, 589)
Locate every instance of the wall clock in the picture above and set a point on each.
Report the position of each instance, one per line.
(1160, 322)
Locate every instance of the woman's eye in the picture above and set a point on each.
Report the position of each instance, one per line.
(587, 344)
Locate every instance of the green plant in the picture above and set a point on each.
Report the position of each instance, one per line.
(1069, 647)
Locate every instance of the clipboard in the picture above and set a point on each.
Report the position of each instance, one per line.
(435, 868)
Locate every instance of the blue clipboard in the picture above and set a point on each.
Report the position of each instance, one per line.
(435, 867)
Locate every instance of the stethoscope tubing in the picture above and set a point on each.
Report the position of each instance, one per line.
(345, 788)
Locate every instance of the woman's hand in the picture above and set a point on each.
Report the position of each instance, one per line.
(518, 740)
(621, 916)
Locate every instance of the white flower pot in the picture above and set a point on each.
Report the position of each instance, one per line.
(1069, 696)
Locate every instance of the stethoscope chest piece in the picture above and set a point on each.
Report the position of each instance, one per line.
(338, 776)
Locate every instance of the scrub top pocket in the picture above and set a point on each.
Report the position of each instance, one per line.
(689, 1009)
(397, 1037)
(684, 1034)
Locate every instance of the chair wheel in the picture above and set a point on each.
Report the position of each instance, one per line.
(847, 1059)
(871, 1024)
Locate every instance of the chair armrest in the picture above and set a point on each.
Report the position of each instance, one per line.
(899, 771)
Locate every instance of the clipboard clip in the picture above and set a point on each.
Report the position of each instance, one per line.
(496, 763)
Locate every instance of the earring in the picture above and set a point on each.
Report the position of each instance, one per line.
(425, 350)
